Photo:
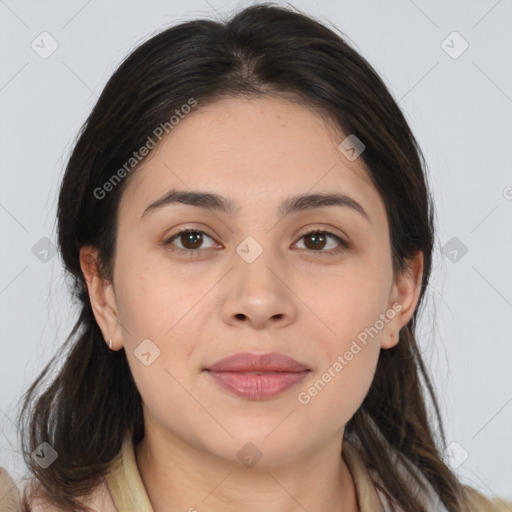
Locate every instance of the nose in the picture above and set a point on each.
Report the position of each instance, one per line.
(258, 295)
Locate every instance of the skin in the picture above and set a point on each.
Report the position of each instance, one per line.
(291, 299)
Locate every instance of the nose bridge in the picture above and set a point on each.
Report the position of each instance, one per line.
(255, 264)
(258, 293)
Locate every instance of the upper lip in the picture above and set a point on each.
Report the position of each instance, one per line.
(251, 362)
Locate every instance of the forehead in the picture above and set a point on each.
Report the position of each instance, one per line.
(258, 150)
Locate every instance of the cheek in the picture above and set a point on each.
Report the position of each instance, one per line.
(337, 390)
(152, 299)
(348, 329)
(157, 305)
(348, 306)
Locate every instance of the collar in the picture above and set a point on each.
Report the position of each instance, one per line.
(125, 483)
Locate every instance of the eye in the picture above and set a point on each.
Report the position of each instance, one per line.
(317, 240)
(190, 239)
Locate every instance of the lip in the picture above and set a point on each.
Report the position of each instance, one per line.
(257, 376)
(251, 362)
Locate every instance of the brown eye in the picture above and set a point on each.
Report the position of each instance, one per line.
(191, 241)
(316, 241)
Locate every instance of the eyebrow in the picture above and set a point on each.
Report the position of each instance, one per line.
(210, 200)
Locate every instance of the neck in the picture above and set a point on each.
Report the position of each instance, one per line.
(178, 476)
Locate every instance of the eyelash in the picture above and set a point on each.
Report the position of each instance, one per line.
(193, 252)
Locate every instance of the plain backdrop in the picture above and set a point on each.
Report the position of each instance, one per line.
(448, 64)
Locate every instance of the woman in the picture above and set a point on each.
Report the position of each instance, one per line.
(248, 225)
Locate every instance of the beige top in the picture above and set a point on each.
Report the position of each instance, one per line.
(124, 491)
(129, 495)
(9, 497)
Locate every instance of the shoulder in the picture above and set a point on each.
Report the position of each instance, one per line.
(99, 500)
(479, 503)
(9, 496)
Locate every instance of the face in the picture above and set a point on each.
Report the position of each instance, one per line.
(314, 283)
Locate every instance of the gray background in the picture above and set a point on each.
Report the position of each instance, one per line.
(459, 109)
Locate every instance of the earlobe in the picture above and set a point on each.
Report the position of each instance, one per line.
(403, 300)
(390, 339)
(100, 292)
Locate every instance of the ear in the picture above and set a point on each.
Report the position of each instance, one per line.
(102, 297)
(404, 298)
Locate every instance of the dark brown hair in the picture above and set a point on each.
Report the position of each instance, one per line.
(262, 50)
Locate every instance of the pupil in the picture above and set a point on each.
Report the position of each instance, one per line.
(317, 239)
(190, 239)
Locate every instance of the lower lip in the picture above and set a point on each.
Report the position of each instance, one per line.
(258, 386)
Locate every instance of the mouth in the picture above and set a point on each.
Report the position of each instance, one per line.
(257, 376)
